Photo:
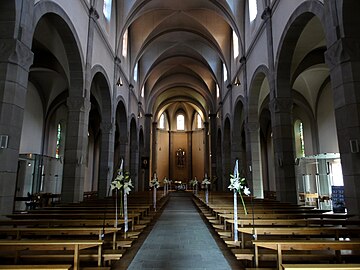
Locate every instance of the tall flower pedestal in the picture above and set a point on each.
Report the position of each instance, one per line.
(206, 183)
(154, 183)
(238, 186)
(122, 183)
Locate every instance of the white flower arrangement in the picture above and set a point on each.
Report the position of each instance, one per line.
(206, 181)
(122, 181)
(154, 182)
(237, 184)
(166, 181)
(194, 182)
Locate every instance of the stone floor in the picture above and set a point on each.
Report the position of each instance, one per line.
(179, 240)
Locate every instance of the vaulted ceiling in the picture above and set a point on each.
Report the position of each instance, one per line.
(180, 48)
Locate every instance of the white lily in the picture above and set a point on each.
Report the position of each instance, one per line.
(127, 187)
(154, 182)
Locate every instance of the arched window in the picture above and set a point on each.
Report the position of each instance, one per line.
(58, 141)
(180, 122)
(217, 91)
(162, 121)
(235, 44)
(225, 73)
(199, 121)
(142, 91)
(253, 10)
(107, 9)
(299, 138)
(136, 72)
(125, 43)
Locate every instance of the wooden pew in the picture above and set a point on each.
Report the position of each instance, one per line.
(62, 222)
(304, 266)
(331, 232)
(306, 245)
(37, 267)
(20, 232)
(59, 245)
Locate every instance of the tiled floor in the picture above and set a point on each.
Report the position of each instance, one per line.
(179, 240)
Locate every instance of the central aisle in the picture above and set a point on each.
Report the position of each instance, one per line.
(179, 240)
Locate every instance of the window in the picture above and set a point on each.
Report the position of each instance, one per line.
(162, 121)
(107, 9)
(180, 122)
(125, 44)
(225, 73)
(235, 44)
(252, 10)
(299, 138)
(136, 72)
(199, 121)
(142, 91)
(58, 141)
(217, 91)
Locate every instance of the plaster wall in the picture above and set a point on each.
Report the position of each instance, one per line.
(280, 17)
(78, 14)
(103, 57)
(257, 57)
(328, 141)
(32, 129)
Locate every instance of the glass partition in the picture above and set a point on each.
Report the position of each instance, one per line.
(320, 182)
(38, 177)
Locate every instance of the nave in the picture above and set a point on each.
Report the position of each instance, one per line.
(179, 240)
(185, 232)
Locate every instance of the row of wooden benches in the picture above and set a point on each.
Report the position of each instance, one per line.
(88, 232)
(284, 232)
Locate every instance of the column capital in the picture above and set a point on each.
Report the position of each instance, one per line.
(343, 50)
(14, 51)
(107, 126)
(252, 126)
(78, 104)
(281, 105)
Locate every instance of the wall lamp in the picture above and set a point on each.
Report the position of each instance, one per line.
(119, 82)
(237, 81)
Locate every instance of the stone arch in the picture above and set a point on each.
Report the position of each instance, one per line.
(298, 20)
(121, 133)
(100, 98)
(71, 42)
(255, 151)
(134, 153)
(238, 150)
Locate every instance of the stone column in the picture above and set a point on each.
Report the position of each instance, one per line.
(15, 60)
(75, 156)
(106, 158)
(343, 58)
(171, 156)
(154, 148)
(188, 156)
(207, 149)
(282, 127)
(213, 141)
(147, 150)
(254, 161)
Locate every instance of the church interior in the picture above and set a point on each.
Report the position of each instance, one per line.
(192, 134)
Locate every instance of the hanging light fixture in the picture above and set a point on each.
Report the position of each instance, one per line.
(237, 81)
(119, 82)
